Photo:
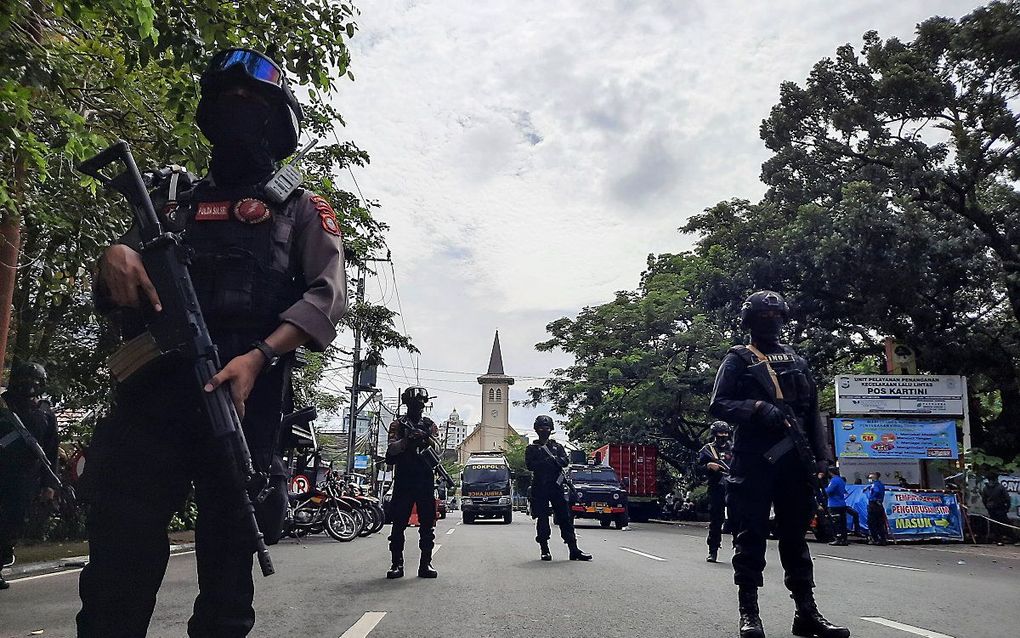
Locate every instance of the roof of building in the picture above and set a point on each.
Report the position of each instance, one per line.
(495, 372)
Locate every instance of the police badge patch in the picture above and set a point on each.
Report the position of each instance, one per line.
(326, 215)
(251, 211)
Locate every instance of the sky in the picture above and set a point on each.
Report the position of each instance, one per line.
(528, 156)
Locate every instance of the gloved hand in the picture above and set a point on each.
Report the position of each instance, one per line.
(771, 417)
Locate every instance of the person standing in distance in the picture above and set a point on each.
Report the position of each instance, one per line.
(22, 474)
(269, 277)
(547, 459)
(714, 462)
(762, 389)
(414, 482)
(835, 493)
(878, 528)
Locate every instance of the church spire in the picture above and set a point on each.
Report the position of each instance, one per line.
(496, 358)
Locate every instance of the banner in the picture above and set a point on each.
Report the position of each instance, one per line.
(899, 394)
(895, 438)
(912, 514)
(1012, 484)
(361, 461)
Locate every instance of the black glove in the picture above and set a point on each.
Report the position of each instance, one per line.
(771, 417)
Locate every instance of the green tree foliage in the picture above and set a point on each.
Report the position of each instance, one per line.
(644, 364)
(891, 209)
(515, 446)
(76, 75)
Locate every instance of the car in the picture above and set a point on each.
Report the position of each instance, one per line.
(597, 494)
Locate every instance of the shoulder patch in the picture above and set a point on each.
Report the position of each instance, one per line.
(326, 215)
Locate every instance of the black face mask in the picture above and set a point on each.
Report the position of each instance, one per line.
(240, 154)
(766, 329)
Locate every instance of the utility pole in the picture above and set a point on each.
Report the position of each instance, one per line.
(355, 409)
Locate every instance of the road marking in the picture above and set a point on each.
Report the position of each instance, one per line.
(75, 571)
(868, 562)
(927, 633)
(451, 530)
(436, 548)
(634, 551)
(459, 522)
(365, 625)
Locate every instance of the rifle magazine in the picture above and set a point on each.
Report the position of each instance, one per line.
(133, 356)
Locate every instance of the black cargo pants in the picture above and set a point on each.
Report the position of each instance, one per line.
(546, 498)
(405, 498)
(755, 487)
(17, 487)
(716, 514)
(143, 461)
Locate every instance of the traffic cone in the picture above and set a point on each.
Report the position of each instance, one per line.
(413, 521)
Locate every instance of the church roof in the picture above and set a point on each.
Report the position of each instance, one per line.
(496, 358)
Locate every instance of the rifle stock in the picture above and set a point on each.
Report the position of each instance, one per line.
(179, 328)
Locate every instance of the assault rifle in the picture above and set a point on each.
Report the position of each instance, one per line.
(21, 432)
(180, 329)
(428, 452)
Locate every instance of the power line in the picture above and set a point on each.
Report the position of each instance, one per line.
(400, 309)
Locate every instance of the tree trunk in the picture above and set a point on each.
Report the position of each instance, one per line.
(10, 244)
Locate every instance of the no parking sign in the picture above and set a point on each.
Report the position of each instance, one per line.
(300, 484)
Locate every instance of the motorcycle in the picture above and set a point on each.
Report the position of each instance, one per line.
(322, 509)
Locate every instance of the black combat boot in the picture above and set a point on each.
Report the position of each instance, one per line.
(7, 557)
(750, 621)
(811, 624)
(577, 554)
(546, 555)
(4, 584)
(425, 566)
(713, 555)
(397, 568)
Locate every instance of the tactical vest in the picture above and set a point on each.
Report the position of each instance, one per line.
(240, 270)
(790, 374)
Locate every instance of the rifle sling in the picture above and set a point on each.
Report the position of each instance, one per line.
(10, 438)
(776, 452)
(762, 359)
(562, 478)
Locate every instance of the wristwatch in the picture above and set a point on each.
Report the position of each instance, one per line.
(272, 356)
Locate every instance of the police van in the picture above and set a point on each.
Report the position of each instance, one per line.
(485, 487)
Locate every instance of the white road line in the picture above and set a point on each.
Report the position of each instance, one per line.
(868, 562)
(634, 551)
(907, 628)
(451, 530)
(365, 625)
(75, 571)
(436, 548)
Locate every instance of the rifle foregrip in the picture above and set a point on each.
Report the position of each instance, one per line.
(101, 160)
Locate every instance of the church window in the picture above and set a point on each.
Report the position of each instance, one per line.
(492, 394)
(499, 394)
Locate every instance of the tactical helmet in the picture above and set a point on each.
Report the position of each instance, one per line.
(760, 302)
(543, 421)
(28, 379)
(720, 427)
(414, 394)
(251, 68)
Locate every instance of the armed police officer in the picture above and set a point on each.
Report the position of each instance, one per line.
(28, 457)
(714, 462)
(547, 460)
(414, 481)
(269, 278)
(766, 390)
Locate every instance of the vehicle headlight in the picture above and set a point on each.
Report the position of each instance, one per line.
(616, 496)
(504, 500)
(465, 501)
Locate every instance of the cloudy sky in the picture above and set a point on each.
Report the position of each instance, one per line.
(528, 156)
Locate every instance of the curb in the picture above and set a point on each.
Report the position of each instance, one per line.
(74, 562)
(694, 524)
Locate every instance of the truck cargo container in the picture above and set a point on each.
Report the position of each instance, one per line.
(636, 465)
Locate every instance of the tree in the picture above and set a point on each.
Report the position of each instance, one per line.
(515, 446)
(891, 208)
(644, 364)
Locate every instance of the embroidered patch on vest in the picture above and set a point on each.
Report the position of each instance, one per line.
(251, 211)
(213, 212)
(326, 215)
(781, 358)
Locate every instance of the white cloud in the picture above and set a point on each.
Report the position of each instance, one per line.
(529, 155)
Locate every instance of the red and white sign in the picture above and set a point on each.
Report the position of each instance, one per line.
(300, 484)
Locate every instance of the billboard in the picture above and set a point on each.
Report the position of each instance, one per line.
(895, 438)
(912, 514)
(899, 394)
(1012, 484)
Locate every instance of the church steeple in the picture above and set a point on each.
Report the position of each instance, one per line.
(496, 358)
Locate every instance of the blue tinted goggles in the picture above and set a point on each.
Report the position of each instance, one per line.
(255, 65)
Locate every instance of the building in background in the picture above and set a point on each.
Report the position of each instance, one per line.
(492, 432)
(453, 431)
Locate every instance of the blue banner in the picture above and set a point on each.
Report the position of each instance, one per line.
(361, 461)
(911, 514)
(895, 439)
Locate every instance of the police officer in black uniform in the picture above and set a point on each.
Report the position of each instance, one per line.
(414, 482)
(547, 459)
(22, 474)
(269, 278)
(714, 462)
(764, 389)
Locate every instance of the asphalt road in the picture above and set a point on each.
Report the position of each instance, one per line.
(649, 581)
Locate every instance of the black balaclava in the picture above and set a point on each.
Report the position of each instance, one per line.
(237, 130)
(766, 327)
(415, 410)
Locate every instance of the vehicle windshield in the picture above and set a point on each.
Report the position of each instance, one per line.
(595, 475)
(493, 474)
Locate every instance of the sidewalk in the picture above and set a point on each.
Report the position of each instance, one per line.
(40, 558)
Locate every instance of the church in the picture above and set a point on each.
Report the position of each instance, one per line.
(491, 433)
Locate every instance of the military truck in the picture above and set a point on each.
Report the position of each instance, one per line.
(598, 494)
